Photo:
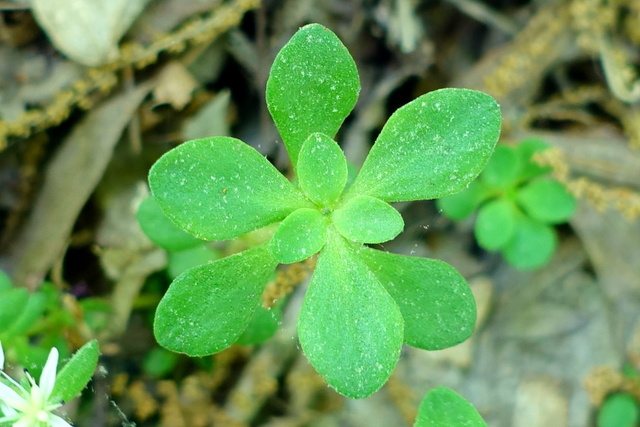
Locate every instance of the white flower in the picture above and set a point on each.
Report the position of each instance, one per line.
(30, 407)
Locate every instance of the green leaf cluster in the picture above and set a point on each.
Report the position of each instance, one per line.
(517, 206)
(362, 304)
(32, 323)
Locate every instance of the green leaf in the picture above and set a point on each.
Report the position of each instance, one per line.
(532, 244)
(12, 303)
(77, 373)
(619, 410)
(349, 327)
(322, 169)
(30, 313)
(207, 308)
(300, 235)
(526, 149)
(159, 362)
(432, 147)
(220, 188)
(313, 86)
(503, 169)
(160, 230)
(546, 200)
(442, 407)
(437, 306)
(5, 281)
(263, 325)
(181, 261)
(495, 224)
(460, 205)
(365, 219)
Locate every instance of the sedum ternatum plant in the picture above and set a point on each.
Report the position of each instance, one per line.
(362, 303)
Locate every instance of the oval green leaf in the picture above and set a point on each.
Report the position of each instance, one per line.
(503, 170)
(532, 244)
(526, 149)
(313, 85)
(5, 281)
(350, 329)
(12, 303)
(365, 219)
(431, 147)
(460, 205)
(619, 410)
(160, 230)
(220, 188)
(443, 407)
(30, 313)
(181, 261)
(300, 235)
(437, 306)
(547, 200)
(77, 373)
(207, 308)
(322, 169)
(263, 325)
(495, 224)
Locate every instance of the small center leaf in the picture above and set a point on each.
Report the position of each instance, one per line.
(300, 235)
(496, 223)
(322, 169)
(365, 219)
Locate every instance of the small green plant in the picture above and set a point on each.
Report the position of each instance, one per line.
(362, 303)
(31, 404)
(517, 206)
(442, 407)
(31, 323)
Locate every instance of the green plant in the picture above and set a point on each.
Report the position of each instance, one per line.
(32, 323)
(517, 206)
(362, 303)
(442, 407)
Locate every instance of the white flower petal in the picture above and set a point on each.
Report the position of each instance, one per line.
(1, 357)
(9, 396)
(24, 422)
(7, 410)
(56, 421)
(48, 377)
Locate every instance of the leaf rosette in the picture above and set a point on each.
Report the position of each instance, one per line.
(362, 303)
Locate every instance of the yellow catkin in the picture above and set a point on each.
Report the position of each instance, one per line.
(528, 48)
(286, 281)
(102, 80)
(624, 200)
(604, 380)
